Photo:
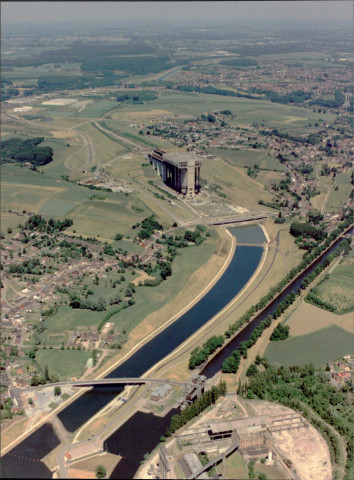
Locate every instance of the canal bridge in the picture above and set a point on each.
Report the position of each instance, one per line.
(103, 382)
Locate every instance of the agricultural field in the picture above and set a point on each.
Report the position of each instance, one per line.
(339, 198)
(64, 363)
(236, 184)
(337, 287)
(25, 189)
(247, 111)
(300, 324)
(319, 347)
(248, 158)
(107, 215)
(106, 148)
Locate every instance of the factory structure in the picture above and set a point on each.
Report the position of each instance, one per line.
(180, 171)
(217, 439)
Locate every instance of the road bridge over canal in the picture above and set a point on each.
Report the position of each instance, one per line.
(103, 382)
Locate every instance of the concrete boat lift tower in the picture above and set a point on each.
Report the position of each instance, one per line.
(178, 170)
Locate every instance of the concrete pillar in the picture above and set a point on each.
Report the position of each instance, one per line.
(270, 458)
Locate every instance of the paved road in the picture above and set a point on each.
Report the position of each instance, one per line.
(327, 186)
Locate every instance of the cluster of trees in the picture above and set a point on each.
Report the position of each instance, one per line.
(299, 388)
(200, 354)
(148, 226)
(79, 52)
(45, 378)
(195, 236)
(240, 62)
(231, 363)
(264, 301)
(312, 138)
(213, 91)
(38, 223)
(31, 266)
(297, 97)
(136, 96)
(299, 229)
(281, 332)
(83, 303)
(17, 150)
(318, 302)
(114, 311)
(304, 168)
(193, 410)
(337, 102)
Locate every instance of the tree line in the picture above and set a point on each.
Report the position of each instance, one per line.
(264, 301)
(208, 398)
(304, 390)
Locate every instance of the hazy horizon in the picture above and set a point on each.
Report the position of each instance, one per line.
(169, 12)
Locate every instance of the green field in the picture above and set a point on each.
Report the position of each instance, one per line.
(64, 363)
(247, 111)
(67, 318)
(106, 148)
(318, 348)
(25, 189)
(339, 198)
(106, 218)
(338, 288)
(248, 158)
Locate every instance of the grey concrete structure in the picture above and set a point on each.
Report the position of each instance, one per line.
(180, 171)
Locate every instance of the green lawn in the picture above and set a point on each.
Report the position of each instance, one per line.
(319, 348)
(236, 467)
(64, 363)
(67, 318)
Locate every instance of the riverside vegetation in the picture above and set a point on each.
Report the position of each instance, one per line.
(201, 354)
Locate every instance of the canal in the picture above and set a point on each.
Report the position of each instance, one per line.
(241, 268)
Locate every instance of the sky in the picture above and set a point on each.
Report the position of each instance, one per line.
(95, 11)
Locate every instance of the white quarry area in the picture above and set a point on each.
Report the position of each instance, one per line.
(22, 109)
(60, 101)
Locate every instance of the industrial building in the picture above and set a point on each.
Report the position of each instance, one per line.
(180, 171)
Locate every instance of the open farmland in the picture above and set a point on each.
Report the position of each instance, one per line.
(308, 318)
(24, 189)
(339, 198)
(246, 111)
(105, 218)
(318, 347)
(337, 288)
(248, 158)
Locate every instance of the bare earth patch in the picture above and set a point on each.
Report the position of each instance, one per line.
(307, 319)
(149, 113)
(141, 278)
(305, 446)
(62, 134)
